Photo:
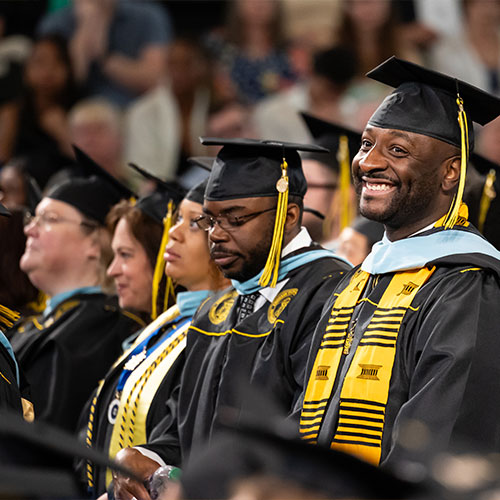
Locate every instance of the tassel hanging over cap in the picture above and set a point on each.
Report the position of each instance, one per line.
(160, 264)
(452, 215)
(271, 269)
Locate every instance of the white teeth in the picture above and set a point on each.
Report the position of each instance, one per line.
(378, 187)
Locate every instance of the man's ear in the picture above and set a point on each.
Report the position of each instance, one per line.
(292, 217)
(451, 174)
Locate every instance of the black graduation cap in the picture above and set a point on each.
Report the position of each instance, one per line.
(36, 460)
(374, 231)
(4, 211)
(425, 102)
(156, 204)
(327, 134)
(248, 449)
(246, 168)
(197, 192)
(95, 193)
(91, 168)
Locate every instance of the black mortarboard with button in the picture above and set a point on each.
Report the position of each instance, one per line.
(95, 193)
(247, 168)
(436, 105)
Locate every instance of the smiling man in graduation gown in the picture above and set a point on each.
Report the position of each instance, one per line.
(412, 334)
(259, 330)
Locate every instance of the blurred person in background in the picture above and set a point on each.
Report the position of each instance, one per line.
(322, 94)
(252, 60)
(117, 48)
(355, 241)
(370, 28)
(95, 126)
(489, 141)
(35, 124)
(329, 189)
(474, 54)
(163, 126)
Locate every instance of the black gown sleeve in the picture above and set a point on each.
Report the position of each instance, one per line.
(450, 363)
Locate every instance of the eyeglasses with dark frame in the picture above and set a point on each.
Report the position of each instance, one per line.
(49, 219)
(227, 222)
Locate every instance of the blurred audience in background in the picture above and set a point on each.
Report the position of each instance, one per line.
(163, 126)
(117, 47)
(34, 124)
(473, 54)
(322, 94)
(250, 51)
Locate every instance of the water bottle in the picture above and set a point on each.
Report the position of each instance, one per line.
(161, 479)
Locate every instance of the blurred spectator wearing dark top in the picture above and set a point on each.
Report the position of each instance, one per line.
(250, 49)
(34, 125)
(473, 55)
(117, 47)
(163, 126)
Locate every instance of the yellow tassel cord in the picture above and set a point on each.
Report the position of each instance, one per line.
(271, 269)
(345, 182)
(487, 197)
(160, 263)
(8, 317)
(452, 215)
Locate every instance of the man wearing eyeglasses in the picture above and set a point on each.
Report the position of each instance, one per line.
(68, 348)
(258, 331)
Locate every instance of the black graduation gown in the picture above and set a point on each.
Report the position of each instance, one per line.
(10, 395)
(102, 426)
(66, 353)
(268, 350)
(446, 372)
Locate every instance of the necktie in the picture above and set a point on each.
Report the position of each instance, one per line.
(247, 304)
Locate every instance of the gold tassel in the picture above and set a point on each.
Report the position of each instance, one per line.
(160, 262)
(271, 269)
(8, 317)
(345, 182)
(452, 215)
(487, 197)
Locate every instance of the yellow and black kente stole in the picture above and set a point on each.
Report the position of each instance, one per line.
(365, 388)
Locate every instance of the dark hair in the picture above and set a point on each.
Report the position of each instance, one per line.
(144, 229)
(338, 64)
(16, 290)
(234, 25)
(69, 94)
(386, 38)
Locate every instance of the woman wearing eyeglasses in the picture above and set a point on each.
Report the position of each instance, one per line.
(131, 399)
(67, 349)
